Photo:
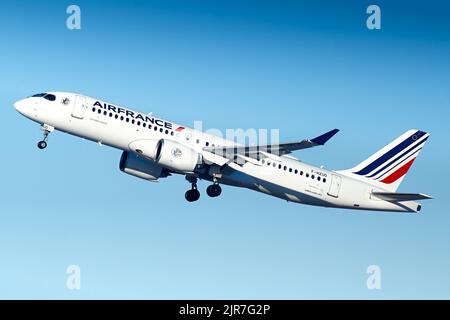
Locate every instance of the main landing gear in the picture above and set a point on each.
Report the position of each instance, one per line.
(214, 190)
(46, 130)
(193, 194)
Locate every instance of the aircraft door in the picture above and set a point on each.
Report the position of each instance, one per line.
(79, 107)
(335, 186)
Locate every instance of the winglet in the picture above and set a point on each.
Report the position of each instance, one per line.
(320, 140)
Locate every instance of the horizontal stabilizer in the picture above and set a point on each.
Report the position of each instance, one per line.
(393, 196)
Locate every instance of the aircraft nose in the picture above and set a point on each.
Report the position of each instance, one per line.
(20, 105)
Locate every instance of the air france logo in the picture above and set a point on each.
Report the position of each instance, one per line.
(133, 115)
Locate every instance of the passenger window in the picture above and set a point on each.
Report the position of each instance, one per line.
(296, 171)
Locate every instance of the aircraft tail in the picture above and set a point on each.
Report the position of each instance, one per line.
(387, 167)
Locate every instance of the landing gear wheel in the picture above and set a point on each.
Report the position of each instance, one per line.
(214, 190)
(42, 144)
(192, 195)
(46, 129)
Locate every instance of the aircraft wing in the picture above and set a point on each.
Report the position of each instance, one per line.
(277, 149)
(393, 196)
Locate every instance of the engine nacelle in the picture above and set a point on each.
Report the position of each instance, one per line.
(176, 156)
(145, 147)
(140, 167)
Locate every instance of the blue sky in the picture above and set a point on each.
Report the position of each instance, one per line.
(299, 67)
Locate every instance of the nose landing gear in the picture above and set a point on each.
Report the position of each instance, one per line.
(46, 130)
(42, 144)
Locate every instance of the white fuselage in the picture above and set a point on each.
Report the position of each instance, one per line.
(279, 176)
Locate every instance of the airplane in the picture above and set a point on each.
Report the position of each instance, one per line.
(154, 148)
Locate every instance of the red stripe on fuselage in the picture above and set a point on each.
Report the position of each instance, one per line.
(398, 173)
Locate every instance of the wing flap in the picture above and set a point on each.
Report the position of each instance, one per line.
(211, 158)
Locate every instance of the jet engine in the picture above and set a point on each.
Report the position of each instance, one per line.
(177, 157)
(145, 147)
(140, 167)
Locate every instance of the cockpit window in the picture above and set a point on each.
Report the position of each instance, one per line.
(50, 97)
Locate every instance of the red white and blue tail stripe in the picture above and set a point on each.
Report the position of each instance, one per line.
(389, 165)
